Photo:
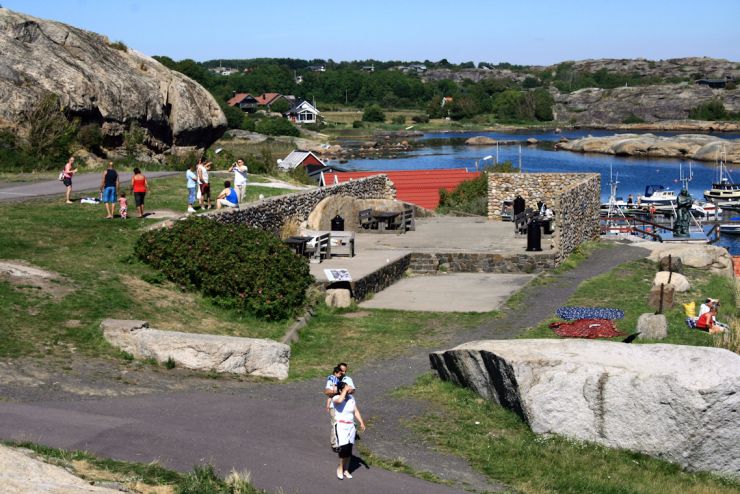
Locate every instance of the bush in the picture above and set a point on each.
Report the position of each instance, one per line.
(357, 124)
(469, 197)
(248, 123)
(632, 119)
(280, 106)
(119, 45)
(234, 116)
(242, 268)
(373, 113)
(90, 137)
(50, 132)
(423, 118)
(399, 120)
(712, 110)
(316, 127)
(276, 127)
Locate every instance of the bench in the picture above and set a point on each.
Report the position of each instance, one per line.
(319, 247)
(405, 221)
(521, 220)
(367, 221)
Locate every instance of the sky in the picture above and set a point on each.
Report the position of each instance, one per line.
(527, 32)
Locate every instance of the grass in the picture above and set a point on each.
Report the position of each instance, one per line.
(94, 254)
(139, 477)
(627, 286)
(499, 445)
(333, 336)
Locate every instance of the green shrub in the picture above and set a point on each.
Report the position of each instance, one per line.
(242, 268)
(234, 115)
(423, 118)
(118, 45)
(316, 127)
(357, 124)
(399, 120)
(373, 113)
(50, 132)
(133, 138)
(248, 123)
(469, 197)
(711, 110)
(276, 127)
(632, 119)
(280, 106)
(90, 137)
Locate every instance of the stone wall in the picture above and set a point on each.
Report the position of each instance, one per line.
(575, 199)
(482, 263)
(272, 213)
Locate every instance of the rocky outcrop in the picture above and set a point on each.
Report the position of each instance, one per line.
(480, 141)
(697, 147)
(22, 473)
(679, 403)
(706, 257)
(102, 83)
(203, 352)
(648, 103)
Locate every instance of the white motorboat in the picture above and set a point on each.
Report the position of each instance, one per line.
(723, 188)
(730, 228)
(657, 195)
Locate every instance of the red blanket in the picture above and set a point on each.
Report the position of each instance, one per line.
(586, 328)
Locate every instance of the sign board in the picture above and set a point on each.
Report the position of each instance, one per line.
(337, 275)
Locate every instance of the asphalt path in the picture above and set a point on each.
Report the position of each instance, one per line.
(81, 182)
(279, 432)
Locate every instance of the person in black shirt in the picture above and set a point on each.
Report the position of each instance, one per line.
(109, 189)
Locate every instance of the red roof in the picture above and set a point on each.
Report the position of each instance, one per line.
(420, 187)
(266, 98)
(237, 98)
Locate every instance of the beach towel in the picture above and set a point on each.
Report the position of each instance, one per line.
(573, 313)
(586, 328)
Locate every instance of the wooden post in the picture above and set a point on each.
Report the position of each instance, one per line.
(670, 270)
(660, 306)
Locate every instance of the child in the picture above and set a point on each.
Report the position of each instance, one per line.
(123, 206)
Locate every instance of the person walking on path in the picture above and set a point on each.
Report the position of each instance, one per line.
(240, 177)
(192, 183)
(205, 186)
(345, 412)
(140, 187)
(67, 178)
(228, 197)
(109, 185)
(339, 374)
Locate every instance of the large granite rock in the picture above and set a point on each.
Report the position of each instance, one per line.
(693, 146)
(708, 257)
(591, 106)
(676, 402)
(678, 281)
(22, 473)
(202, 352)
(99, 83)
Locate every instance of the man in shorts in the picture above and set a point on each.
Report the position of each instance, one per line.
(109, 190)
(228, 198)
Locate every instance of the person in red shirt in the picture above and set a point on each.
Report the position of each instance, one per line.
(140, 187)
(706, 322)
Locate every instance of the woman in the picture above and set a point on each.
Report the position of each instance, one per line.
(345, 413)
(67, 179)
(240, 177)
(140, 187)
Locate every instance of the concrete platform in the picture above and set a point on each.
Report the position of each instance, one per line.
(453, 292)
(432, 235)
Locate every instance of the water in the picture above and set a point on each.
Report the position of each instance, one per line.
(550, 135)
(633, 173)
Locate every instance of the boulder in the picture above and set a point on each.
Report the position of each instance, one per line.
(677, 280)
(532, 141)
(652, 326)
(675, 402)
(669, 295)
(101, 83)
(203, 352)
(480, 141)
(338, 297)
(701, 256)
(22, 473)
(670, 263)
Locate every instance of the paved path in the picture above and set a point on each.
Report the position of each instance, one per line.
(82, 182)
(278, 432)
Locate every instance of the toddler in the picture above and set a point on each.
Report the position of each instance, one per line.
(123, 206)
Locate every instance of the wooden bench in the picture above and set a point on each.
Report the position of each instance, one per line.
(367, 222)
(342, 243)
(319, 247)
(405, 221)
(521, 220)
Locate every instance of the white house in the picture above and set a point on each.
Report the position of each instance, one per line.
(303, 113)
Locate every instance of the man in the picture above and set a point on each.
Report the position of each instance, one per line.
(67, 179)
(205, 186)
(228, 197)
(339, 374)
(192, 183)
(240, 177)
(109, 190)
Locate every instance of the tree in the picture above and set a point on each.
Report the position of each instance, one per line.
(373, 113)
(280, 106)
(50, 132)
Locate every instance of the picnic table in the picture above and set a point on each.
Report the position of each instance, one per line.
(298, 244)
(385, 219)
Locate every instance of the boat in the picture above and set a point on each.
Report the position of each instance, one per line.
(723, 189)
(730, 228)
(657, 195)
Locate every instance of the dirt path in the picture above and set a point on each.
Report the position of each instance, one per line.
(278, 432)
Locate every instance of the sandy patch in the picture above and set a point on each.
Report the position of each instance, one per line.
(30, 278)
(356, 315)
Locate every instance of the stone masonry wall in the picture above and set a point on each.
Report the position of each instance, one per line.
(270, 214)
(575, 199)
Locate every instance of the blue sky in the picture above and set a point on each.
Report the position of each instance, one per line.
(537, 32)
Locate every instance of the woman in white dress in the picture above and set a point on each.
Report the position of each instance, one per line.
(240, 178)
(345, 413)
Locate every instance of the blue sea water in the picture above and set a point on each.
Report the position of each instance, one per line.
(633, 173)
